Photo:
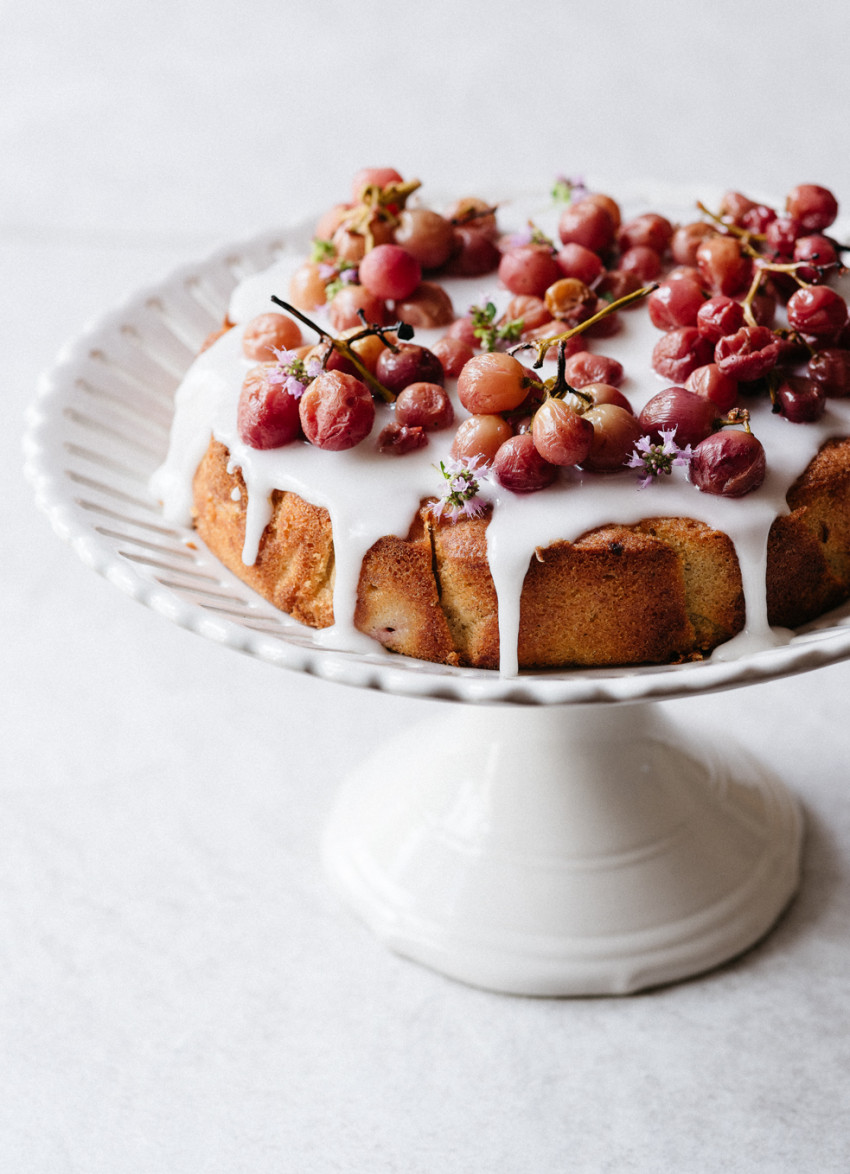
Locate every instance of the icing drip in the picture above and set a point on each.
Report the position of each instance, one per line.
(369, 495)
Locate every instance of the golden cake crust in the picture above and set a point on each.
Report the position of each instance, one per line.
(666, 589)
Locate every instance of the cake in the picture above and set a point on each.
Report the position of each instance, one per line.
(366, 512)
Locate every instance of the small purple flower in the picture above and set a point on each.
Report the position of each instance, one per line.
(655, 459)
(326, 270)
(461, 498)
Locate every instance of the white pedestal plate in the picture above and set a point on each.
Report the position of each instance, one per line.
(550, 835)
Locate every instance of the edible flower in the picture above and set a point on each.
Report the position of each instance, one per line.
(568, 188)
(461, 498)
(654, 459)
(292, 373)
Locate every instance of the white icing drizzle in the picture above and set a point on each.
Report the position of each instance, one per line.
(369, 495)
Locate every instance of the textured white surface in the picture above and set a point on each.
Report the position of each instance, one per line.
(178, 989)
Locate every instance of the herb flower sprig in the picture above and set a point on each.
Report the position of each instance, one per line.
(656, 460)
(461, 498)
(292, 373)
(491, 334)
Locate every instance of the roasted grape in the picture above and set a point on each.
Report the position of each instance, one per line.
(679, 352)
(676, 302)
(587, 223)
(492, 382)
(710, 382)
(480, 436)
(343, 312)
(336, 411)
(267, 416)
(692, 416)
(408, 363)
(390, 272)
(453, 354)
(561, 435)
(577, 261)
(519, 467)
(801, 400)
(427, 307)
(587, 367)
(812, 206)
(396, 439)
(729, 464)
(817, 310)
(615, 433)
(747, 354)
(426, 235)
(830, 368)
(719, 316)
(424, 405)
(529, 269)
(268, 333)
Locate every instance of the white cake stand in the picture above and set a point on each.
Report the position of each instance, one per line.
(550, 835)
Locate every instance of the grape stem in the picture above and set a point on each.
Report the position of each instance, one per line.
(342, 346)
(542, 345)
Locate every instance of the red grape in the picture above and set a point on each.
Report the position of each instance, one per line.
(648, 230)
(518, 466)
(641, 260)
(820, 251)
(474, 252)
(691, 415)
(577, 261)
(342, 312)
(802, 401)
(531, 311)
(529, 269)
(336, 411)
(390, 272)
(396, 439)
(747, 354)
(679, 352)
(813, 206)
(830, 368)
(570, 301)
(424, 405)
(728, 464)
(426, 235)
(687, 239)
(722, 264)
(817, 310)
(587, 223)
(719, 316)
(408, 363)
(427, 307)
(267, 415)
(615, 433)
(372, 176)
(710, 382)
(780, 236)
(586, 367)
(676, 303)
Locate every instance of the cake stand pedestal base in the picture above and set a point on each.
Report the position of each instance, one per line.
(575, 850)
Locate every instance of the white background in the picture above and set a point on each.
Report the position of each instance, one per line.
(179, 992)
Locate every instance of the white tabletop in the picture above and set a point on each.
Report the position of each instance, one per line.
(179, 990)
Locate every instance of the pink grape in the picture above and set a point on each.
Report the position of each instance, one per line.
(267, 415)
(492, 382)
(641, 260)
(830, 368)
(615, 433)
(529, 269)
(480, 436)
(268, 333)
(343, 310)
(650, 230)
(561, 435)
(372, 176)
(336, 411)
(802, 401)
(453, 354)
(676, 303)
(426, 235)
(390, 272)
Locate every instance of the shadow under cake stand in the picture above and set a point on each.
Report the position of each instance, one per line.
(551, 834)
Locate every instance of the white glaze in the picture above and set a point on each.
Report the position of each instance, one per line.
(369, 495)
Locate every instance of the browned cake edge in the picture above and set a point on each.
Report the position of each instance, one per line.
(664, 590)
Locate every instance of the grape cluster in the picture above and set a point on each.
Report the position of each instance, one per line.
(740, 296)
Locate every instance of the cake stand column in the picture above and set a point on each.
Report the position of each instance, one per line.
(570, 850)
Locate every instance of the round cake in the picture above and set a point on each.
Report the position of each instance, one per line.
(550, 432)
